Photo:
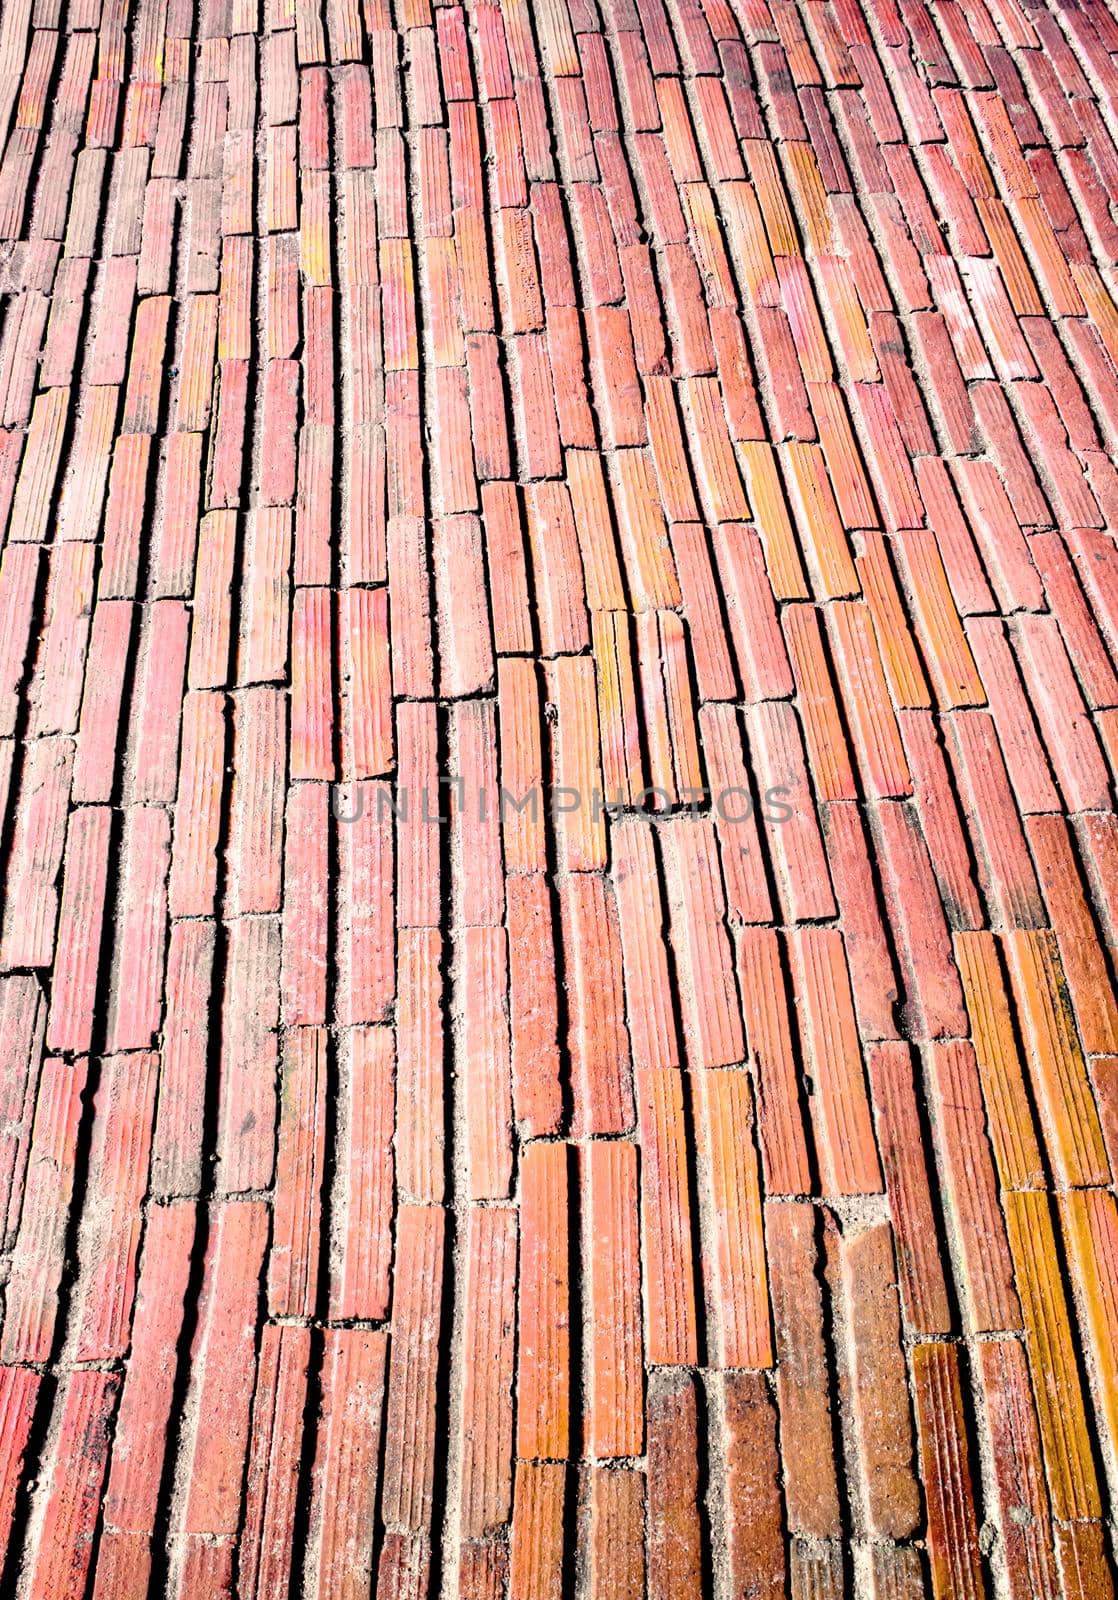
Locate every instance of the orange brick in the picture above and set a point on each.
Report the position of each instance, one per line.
(611, 1242)
(734, 1272)
(1056, 1065)
(833, 1056)
(666, 1220)
(597, 1038)
(1061, 1413)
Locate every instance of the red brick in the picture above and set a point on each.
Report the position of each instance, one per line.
(543, 1349)
(60, 1558)
(953, 1549)
(249, 1057)
(756, 1544)
(650, 1001)
(875, 1363)
(475, 814)
(409, 1460)
(537, 1094)
(135, 997)
(363, 1191)
(79, 932)
(480, 1005)
(224, 1368)
(554, 543)
(920, 1271)
(31, 897)
(799, 861)
(271, 1481)
(346, 1460)
(833, 1058)
(40, 1244)
(709, 999)
(1018, 1470)
(420, 1114)
(312, 715)
(465, 649)
(488, 1346)
(597, 1040)
(366, 981)
(536, 1545)
(123, 1114)
(193, 880)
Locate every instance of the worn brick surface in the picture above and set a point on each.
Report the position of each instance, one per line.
(558, 799)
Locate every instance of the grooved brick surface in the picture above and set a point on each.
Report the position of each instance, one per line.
(558, 833)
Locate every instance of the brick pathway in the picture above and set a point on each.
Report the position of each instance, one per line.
(697, 419)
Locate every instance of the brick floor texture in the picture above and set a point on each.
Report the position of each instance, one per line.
(558, 849)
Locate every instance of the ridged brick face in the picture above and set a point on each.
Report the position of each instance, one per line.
(558, 775)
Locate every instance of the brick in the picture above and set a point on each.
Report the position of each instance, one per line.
(41, 1241)
(615, 1423)
(488, 1343)
(223, 1376)
(888, 1495)
(1012, 1128)
(346, 1460)
(735, 1273)
(475, 820)
(953, 1550)
(709, 1000)
(366, 980)
(109, 1243)
(419, 1078)
(650, 1003)
(1056, 1065)
(840, 1104)
(59, 1563)
(1018, 1469)
(135, 996)
(971, 1189)
(576, 768)
(671, 1336)
(553, 543)
(1057, 1390)
(271, 1481)
(788, 811)
(465, 650)
(312, 716)
(543, 1348)
(249, 1057)
(756, 1545)
(409, 1460)
(74, 988)
(597, 1038)
(617, 1514)
(533, 1002)
(673, 1562)
(536, 1547)
(480, 1003)
(177, 1142)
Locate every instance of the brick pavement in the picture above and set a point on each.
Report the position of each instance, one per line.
(705, 405)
